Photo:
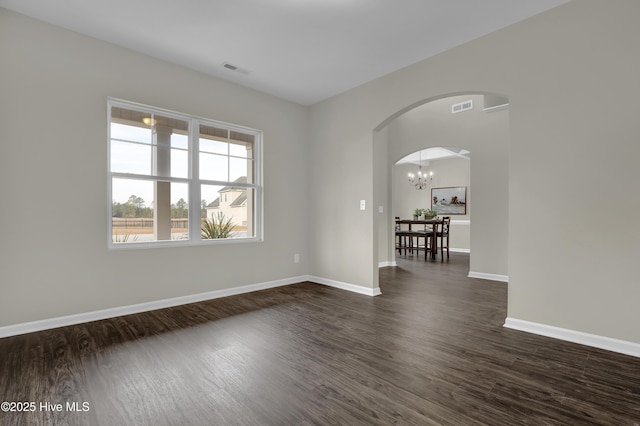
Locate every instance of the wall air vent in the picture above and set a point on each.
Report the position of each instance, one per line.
(462, 106)
(235, 68)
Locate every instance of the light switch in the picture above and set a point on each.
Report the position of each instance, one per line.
(362, 204)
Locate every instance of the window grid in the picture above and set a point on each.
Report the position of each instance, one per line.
(191, 127)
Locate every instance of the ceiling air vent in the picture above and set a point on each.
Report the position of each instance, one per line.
(462, 106)
(235, 68)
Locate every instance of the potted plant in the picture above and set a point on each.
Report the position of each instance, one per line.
(417, 213)
(429, 214)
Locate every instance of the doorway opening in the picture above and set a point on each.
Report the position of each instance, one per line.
(433, 183)
(459, 125)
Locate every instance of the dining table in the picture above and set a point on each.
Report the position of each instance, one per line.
(434, 222)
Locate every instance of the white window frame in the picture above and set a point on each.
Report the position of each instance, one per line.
(193, 180)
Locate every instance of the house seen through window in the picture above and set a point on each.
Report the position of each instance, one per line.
(179, 179)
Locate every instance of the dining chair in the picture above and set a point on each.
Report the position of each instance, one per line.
(443, 235)
(427, 235)
(404, 239)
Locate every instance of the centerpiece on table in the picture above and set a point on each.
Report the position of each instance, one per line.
(429, 214)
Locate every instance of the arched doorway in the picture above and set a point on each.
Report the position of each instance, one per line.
(444, 169)
(482, 129)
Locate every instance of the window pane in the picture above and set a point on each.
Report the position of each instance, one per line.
(161, 161)
(212, 132)
(138, 192)
(130, 158)
(179, 211)
(249, 209)
(179, 140)
(241, 145)
(168, 131)
(138, 130)
(214, 167)
(134, 216)
(216, 147)
(169, 126)
(131, 133)
(131, 210)
(230, 214)
(241, 168)
(179, 163)
(210, 195)
(214, 140)
(240, 150)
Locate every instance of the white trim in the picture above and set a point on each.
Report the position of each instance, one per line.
(491, 277)
(593, 340)
(460, 250)
(46, 324)
(460, 222)
(387, 263)
(345, 286)
(496, 108)
(50, 323)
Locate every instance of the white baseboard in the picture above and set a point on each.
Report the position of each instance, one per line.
(46, 324)
(50, 323)
(452, 250)
(459, 250)
(593, 340)
(491, 277)
(346, 286)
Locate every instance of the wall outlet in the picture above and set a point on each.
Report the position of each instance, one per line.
(296, 258)
(380, 209)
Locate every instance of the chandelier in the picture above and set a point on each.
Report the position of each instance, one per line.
(421, 180)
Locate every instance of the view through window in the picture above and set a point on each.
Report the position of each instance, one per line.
(179, 179)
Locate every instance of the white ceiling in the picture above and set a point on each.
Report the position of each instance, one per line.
(301, 50)
(425, 155)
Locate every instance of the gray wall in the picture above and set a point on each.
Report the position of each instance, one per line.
(53, 179)
(571, 78)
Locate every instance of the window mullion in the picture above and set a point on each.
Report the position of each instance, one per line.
(119, 175)
(194, 185)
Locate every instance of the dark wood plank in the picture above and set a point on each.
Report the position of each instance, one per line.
(431, 350)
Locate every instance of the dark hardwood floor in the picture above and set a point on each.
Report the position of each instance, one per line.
(431, 350)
